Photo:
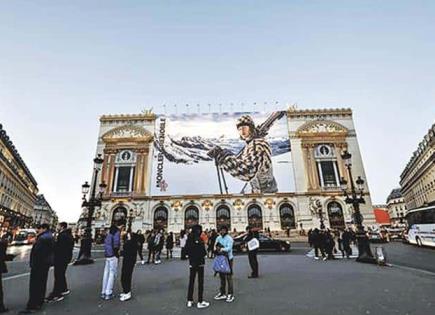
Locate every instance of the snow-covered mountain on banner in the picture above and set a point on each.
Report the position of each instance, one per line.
(190, 150)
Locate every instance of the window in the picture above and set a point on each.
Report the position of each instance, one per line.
(124, 179)
(161, 218)
(255, 217)
(223, 217)
(191, 217)
(327, 166)
(287, 216)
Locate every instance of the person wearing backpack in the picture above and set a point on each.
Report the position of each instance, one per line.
(252, 244)
(112, 243)
(224, 246)
(195, 249)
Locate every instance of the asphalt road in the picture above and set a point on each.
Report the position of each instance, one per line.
(290, 283)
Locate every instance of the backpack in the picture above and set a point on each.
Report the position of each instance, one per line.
(221, 264)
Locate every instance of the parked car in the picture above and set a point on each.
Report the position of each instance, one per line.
(24, 237)
(266, 244)
(376, 237)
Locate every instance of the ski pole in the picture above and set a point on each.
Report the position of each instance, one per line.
(225, 182)
(219, 175)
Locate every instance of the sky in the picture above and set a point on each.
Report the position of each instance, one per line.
(65, 63)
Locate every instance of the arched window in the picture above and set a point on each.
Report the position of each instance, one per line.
(119, 216)
(287, 216)
(327, 168)
(191, 217)
(161, 218)
(255, 217)
(223, 217)
(335, 214)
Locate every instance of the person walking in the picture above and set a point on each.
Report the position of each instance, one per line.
(195, 249)
(169, 245)
(41, 258)
(3, 269)
(183, 240)
(140, 241)
(63, 252)
(129, 254)
(252, 244)
(150, 246)
(112, 244)
(224, 245)
(346, 240)
(159, 241)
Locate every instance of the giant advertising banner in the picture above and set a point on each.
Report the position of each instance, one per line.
(222, 153)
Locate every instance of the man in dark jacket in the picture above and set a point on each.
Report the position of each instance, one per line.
(3, 269)
(63, 251)
(252, 252)
(41, 258)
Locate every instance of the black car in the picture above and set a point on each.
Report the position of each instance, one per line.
(266, 244)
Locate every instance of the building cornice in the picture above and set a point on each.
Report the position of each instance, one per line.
(128, 117)
(304, 113)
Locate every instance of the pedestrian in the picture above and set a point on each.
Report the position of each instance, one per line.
(340, 243)
(195, 249)
(169, 245)
(252, 243)
(329, 244)
(63, 252)
(183, 240)
(316, 239)
(140, 241)
(150, 246)
(3, 269)
(346, 239)
(224, 245)
(211, 243)
(310, 238)
(129, 254)
(112, 244)
(159, 241)
(41, 258)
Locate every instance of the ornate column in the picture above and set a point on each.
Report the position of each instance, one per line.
(111, 167)
(339, 147)
(313, 167)
(138, 173)
(308, 174)
(145, 172)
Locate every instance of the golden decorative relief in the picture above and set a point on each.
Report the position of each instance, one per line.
(207, 205)
(321, 127)
(128, 132)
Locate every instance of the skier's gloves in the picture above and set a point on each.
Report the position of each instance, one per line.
(215, 152)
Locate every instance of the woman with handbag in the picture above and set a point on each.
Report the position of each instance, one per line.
(195, 249)
(224, 246)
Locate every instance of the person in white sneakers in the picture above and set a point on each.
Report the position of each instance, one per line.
(129, 254)
(224, 244)
(195, 249)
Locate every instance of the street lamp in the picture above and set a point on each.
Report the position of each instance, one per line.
(93, 202)
(355, 198)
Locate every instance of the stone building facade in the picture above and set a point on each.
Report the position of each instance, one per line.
(417, 180)
(18, 188)
(317, 138)
(396, 206)
(43, 213)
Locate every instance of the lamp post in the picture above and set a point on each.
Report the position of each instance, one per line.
(94, 201)
(355, 198)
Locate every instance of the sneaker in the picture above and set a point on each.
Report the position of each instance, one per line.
(103, 296)
(142, 262)
(58, 298)
(66, 292)
(325, 258)
(125, 297)
(158, 262)
(220, 296)
(203, 304)
(189, 303)
(108, 297)
(230, 298)
(316, 258)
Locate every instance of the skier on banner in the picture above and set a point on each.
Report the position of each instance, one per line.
(253, 163)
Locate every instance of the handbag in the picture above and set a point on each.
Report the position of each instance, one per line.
(253, 244)
(221, 264)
